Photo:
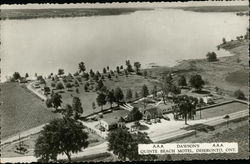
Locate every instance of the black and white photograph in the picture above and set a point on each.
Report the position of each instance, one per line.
(137, 81)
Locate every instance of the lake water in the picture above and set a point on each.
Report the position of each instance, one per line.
(161, 36)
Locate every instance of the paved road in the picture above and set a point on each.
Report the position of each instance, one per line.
(163, 136)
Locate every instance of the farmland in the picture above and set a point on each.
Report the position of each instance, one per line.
(21, 110)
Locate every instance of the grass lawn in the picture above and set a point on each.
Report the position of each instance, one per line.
(221, 110)
(21, 110)
(133, 82)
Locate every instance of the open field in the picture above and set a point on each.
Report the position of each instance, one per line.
(215, 8)
(52, 13)
(235, 132)
(21, 110)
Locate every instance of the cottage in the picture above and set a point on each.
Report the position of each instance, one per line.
(109, 124)
(22, 80)
(208, 100)
(114, 119)
(151, 113)
(121, 123)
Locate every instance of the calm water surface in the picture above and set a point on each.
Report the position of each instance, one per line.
(158, 36)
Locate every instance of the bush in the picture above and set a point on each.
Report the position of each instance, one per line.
(68, 85)
(211, 57)
(53, 85)
(59, 86)
(239, 95)
(48, 103)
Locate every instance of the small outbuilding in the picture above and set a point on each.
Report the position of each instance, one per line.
(208, 100)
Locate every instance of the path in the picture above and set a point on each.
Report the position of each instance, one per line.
(35, 91)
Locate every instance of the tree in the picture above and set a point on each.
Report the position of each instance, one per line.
(136, 95)
(68, 85)
(224, 41)
(134, 115)
(86, 76)
(108, 68)
(154, 91)
(16, 76)
(59, 85)
(81, 67)
(68, 111)
(86, 87)
(26, 75)
(60, 72)
(112, 72)
(129, 95)
(211, 56)
(126, 72)
(109, 76)
(48, 103)
(101, 100)
(182, 81)
(144, 93)
(129, 66)
(125, 145)
(104, 70)
(56, 100)
(121, 67)
(98, 74)
(46, 89)
(186, 106)
(99, 85)
(91, 73)
(77, 107)
(145, 74)
(118, 69)
(137, 66)
(239, 94)
(93, 107)
(96, 77)
(118, 95)
(60, 136)
(77, 90)
(196, 82)
(166, 84)
(110, 97)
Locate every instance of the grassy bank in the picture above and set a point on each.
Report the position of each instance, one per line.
(228, 73)
(53, 13)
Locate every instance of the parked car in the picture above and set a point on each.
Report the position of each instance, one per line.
(147, 122)
(166, 118)
(102, 129)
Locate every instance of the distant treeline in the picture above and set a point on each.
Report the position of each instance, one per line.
(69, 12)
(215, 8)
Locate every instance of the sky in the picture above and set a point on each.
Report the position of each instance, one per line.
(143, 4)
